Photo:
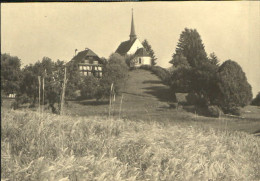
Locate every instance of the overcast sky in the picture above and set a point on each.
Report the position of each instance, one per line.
(230, 29)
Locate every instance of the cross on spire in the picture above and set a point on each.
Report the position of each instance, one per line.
(132, 33)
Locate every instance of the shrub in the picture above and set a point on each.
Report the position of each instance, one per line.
(89, 88)
(234, 110)
(256, 100)
(232, 89)
(116, 72)
(179, 80)
(214, 111)
(19, 100)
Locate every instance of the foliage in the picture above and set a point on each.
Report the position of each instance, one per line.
(10, 73)
(89, 87)
(53, 75)
(179, 61)
(232, 90)
(180, 80)
(213, 59)
(214, 111)
(116, 72)
(75, 80)
(193, 72)
(129, 59)
(203, 81)
(71, 148)
(191, 47)
(150, 51)
(162, 73)
(19, 100)
(256, 100)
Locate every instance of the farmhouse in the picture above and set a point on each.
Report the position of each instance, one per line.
(134, 47)
(89, 63)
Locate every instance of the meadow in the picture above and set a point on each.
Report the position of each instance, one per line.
(143, 139)
(50, 147)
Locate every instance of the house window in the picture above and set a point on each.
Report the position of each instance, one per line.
(140, 60)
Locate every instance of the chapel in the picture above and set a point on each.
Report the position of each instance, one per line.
(134, 47)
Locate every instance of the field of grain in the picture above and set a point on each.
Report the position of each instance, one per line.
(51, 147)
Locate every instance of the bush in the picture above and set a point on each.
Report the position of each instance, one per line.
(214, 111)
(234, 111)
(116, 72)
(232, 89)
(179, 80)
(256, 100)
(89, 88)
(19, 100)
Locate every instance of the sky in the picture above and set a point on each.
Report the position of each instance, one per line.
(231, 29)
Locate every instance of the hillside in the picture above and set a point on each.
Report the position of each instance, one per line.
(51, 147)
(146, 98)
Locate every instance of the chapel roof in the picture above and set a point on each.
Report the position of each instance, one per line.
(125, 46)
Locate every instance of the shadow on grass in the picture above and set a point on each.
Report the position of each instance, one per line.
(162, 93)
(93, 102)
(152, 82)
(201, 111)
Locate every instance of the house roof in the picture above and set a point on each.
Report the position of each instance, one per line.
(124, 47)
(87, 53)
(141, 52)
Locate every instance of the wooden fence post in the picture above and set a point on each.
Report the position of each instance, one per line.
(121, 105)
(43, 94)
(63, 93)
(110, 101)
(39, 80)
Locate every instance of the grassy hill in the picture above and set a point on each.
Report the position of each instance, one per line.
(146, 98)
(51, 147)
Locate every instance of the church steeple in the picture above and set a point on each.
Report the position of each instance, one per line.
(132, 33)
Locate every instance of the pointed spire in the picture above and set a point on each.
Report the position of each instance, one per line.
(132, 33)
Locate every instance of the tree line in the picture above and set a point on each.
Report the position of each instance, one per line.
(24, 82)
(208, 83)
(217, 87)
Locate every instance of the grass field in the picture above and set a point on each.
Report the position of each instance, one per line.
(146, 98)
(50, 147)
(146, 140)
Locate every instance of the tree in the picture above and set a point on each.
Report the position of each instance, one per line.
(191, 47)
(53, 74)
(116, 72)
(75, 80)
(150, 51)
(213, 59)
(256, 100)
(90, 87)
(179, 61)
(233, 89)
(10, 73)
(180, 80)
(203, 83)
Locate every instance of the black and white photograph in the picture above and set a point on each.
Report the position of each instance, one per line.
(125, 91)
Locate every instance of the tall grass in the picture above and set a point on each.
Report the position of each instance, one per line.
(95, 148)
